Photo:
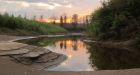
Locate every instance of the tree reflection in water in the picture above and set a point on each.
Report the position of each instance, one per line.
(72, 47)
(69, 42)
(101, 58)
(110, 59)
(61, 45)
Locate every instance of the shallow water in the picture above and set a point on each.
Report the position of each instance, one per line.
(78, 57)
(87, 56)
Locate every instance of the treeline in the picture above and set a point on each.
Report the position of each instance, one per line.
(117, 20)
(21, 26)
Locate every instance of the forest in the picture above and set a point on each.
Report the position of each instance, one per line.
(116, 20)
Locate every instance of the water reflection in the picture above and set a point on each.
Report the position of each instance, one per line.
(71, 43)
(87, 57)
(73, 47)
(110, 59)
(77, 54)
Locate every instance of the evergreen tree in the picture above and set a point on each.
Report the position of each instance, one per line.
(61, 21)
(65, 19)
(75, 20)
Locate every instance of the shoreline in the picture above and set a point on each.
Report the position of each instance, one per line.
(25, 54)
(8, 67)
(127, 45)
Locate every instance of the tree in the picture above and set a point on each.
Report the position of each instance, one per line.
(65, 19)
(41, 17)
(75, 20)
(34, 18)
(53, 19)
(19, 16)
(116, 19)
(12, 15)
(87, 19)
(61, 21)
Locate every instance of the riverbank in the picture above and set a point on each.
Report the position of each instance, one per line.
(28, 55)
(8, 67)
(128, 44)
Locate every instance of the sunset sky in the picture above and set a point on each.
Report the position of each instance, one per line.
(48, 8)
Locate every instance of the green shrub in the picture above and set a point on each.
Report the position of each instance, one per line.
(116, 19)
(21, 25)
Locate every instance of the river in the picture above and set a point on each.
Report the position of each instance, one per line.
(83, 56)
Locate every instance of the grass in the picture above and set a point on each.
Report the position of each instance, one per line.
(21, 26)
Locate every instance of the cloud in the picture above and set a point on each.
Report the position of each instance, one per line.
(69, 6)
(2, 11)
(25, 4)
(56, 4)
(48, 7)
(18, 3)
(39, 5)
(42, 5)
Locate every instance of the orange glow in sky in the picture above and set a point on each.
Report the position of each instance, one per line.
(52, 20)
